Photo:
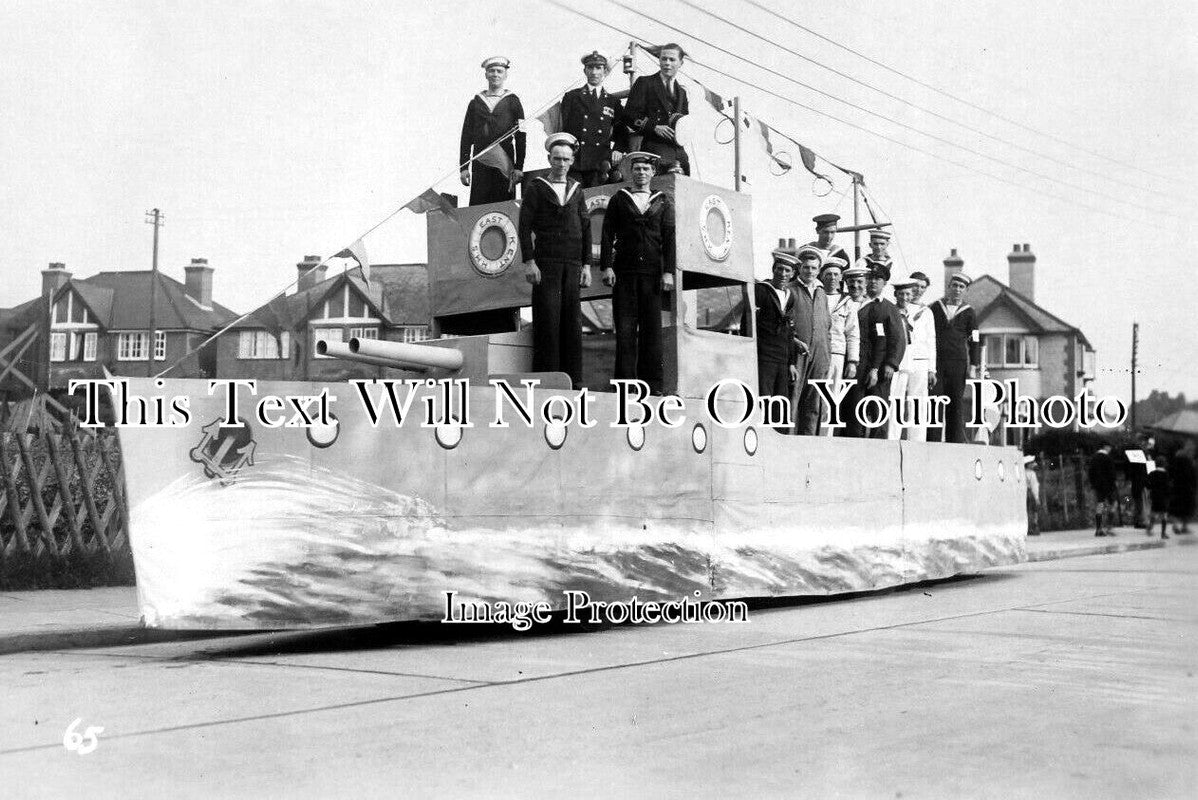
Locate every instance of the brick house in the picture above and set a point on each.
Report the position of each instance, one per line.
(277, 341)
(1023, 340)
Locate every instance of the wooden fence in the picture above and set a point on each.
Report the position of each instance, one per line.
(63, 510)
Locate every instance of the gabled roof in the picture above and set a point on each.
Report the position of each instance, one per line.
(399, 292)
(20, 317)
(121, 301)
(986, 294)
(1184, 422)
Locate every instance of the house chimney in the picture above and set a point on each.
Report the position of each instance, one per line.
(311, 272)
(53, 277)
(198, 283)
(1022, 271)
(952, 265)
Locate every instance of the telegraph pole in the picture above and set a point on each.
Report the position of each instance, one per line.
(1135, 346)
(153, 217)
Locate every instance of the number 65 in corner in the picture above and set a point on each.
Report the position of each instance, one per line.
(81, 743)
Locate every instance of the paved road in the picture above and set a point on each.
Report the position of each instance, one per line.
(1066, 678)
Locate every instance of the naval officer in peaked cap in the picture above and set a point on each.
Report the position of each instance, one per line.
(592, 116)
(555, 238)
(637, 256)
(490, 115)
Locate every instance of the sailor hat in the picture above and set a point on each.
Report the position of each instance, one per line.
(879, 270)
(905, 283)
(808, 250)
(825, 219)
(785, 257)
(880, 233)
(595, 57)
(854, 272)
(833, 262)
(638, 156)
(554, 139)
(961, 278)
(497, 61)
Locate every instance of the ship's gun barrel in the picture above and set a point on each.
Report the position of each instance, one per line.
(342, 351)
(403, 355)
(869, 226)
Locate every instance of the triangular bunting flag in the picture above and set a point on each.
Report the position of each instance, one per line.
(716, 102)
(357, 252)
(552, 118)
(432, 200)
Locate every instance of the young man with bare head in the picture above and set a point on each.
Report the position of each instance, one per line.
(655, 105)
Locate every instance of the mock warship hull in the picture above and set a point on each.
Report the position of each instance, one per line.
(357, 523)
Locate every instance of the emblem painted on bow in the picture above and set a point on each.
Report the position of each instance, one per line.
(224, 451)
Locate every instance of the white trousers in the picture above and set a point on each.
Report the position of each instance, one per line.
(915, 388)
(835, 379)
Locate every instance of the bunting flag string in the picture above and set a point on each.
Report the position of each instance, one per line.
(551, 119)
(357, 252)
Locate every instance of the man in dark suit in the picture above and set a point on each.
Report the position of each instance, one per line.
(883, 342)
(555, 238)
(592, 116)
(637, 257)
(655, 104)
(776, 349)
(958, 351)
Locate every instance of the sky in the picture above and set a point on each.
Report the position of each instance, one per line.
(269, 131)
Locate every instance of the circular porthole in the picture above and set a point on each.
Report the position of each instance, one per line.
(977, 469)
(449, 436)
(699, 437)
(322, 435)
(555, 433)
(636, 436)
(751, 441)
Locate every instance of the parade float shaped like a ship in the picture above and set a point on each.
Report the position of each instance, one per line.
(352, 523)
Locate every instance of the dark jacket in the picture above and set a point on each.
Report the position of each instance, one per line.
(775, 326)
(956, 340)
(594, 123)
(483, 126)
(551, 231)
(1101, 473)
(636, 243)
(883, 337)
(1158, 490)
(649, 106)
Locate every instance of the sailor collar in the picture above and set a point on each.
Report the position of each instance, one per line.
(571, 185)
(652, 196)
(502, 94)
(960, 307)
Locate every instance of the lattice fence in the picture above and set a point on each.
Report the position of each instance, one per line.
(63, 511)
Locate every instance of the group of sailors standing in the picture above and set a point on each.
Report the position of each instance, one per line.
(819, 318)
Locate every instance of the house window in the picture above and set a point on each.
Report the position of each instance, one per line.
(1012, 350)
(132, 346)
(325, 335)
(285, 344)
(159, 345)
(89, 347)
(58, 347)
(415, 333)
(261, 344)
(363, 333)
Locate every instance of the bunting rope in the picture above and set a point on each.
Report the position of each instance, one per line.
(350, 248)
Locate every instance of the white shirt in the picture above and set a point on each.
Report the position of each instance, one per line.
(641, 199)
(559, 188)
(782, 293)
(921, 352)
(492, 99)
(951, 311)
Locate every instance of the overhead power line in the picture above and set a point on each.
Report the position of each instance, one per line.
(958, 99)
(921, 108)
(891, 120)
(637, 37)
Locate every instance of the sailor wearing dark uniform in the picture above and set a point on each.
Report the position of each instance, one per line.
(825, 236)
(655, 104)
(958, 352)
(555, 237)
(637, 257)
(883, 342)
(592, 116)
(776, 349)
(490, 115)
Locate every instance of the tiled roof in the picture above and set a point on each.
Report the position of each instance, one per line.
(121, 301)
(398, 291)
(986, 293)
(1184, 421)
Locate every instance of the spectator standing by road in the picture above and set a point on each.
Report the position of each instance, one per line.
(1102, 480)
(1182, 489)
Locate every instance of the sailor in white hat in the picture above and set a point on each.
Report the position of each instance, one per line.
(917, 371)
(958, 352)
(492, 114)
